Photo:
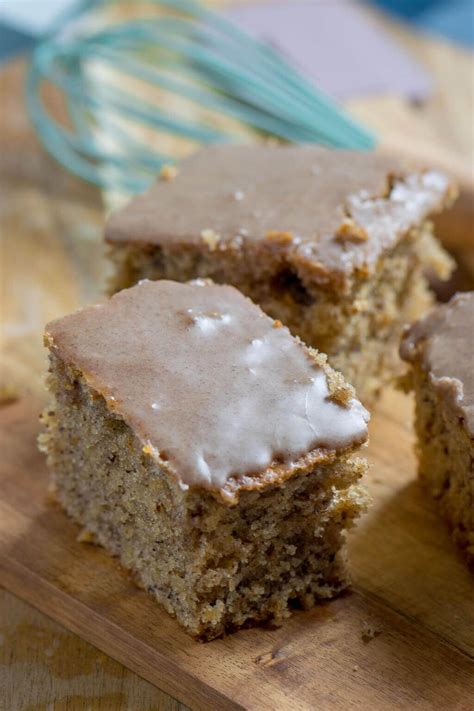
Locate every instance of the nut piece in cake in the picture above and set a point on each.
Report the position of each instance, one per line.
(199, 442)
(337, 254)
(440, 349)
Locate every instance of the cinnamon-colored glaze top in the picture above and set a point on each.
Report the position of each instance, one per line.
(443, 343)
(214, 389)
(251, 192)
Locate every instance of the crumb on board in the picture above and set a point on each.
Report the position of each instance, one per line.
(168, 172)
(85, 536)
(9, 394)
(51, 494)
(369, 631)
(355, 668)
(210, 238)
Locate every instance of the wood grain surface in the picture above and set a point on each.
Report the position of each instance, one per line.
(404, 638)
(51, 262)
(62, 671)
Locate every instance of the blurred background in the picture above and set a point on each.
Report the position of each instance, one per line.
(96, 96)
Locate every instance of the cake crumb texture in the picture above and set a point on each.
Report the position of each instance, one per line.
(440, 350)
(211, 452)
(359, 330)
(169, 172)
(337, 254)
(214, 567)
(445, 462)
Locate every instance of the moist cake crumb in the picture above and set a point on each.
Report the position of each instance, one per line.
(349, 230)
(9, 394)
(369, 631)
(168, 172)
(85, 536)
(279, 237)
(338, 254)
(210, 238)
(200, 444)
(440, 351)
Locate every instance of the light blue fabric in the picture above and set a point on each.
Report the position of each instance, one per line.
(453, 19)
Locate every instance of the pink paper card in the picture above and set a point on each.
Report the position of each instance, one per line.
(337, 46)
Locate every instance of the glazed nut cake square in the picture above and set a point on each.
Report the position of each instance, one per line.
(208, 449)
(334, 244)
(440, 350)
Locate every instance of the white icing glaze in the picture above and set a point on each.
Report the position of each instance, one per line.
(207, 381)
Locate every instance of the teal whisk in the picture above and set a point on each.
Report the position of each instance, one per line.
(142, 92)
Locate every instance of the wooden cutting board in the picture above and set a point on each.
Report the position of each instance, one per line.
(411, 590)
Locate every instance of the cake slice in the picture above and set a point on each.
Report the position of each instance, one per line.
(194, 438)
(332, 243)
(440, 349)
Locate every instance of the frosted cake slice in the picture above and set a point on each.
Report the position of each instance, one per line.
(193, 437)
(335, 244)
(440, 349)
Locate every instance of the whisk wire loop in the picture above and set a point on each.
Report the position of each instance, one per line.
(133, 87)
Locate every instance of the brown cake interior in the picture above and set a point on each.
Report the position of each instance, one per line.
(445, 460)
(215, 567)
(440, 349)
(332, 243)
(359, 329)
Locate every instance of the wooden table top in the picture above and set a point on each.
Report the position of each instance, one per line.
(50, 227)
